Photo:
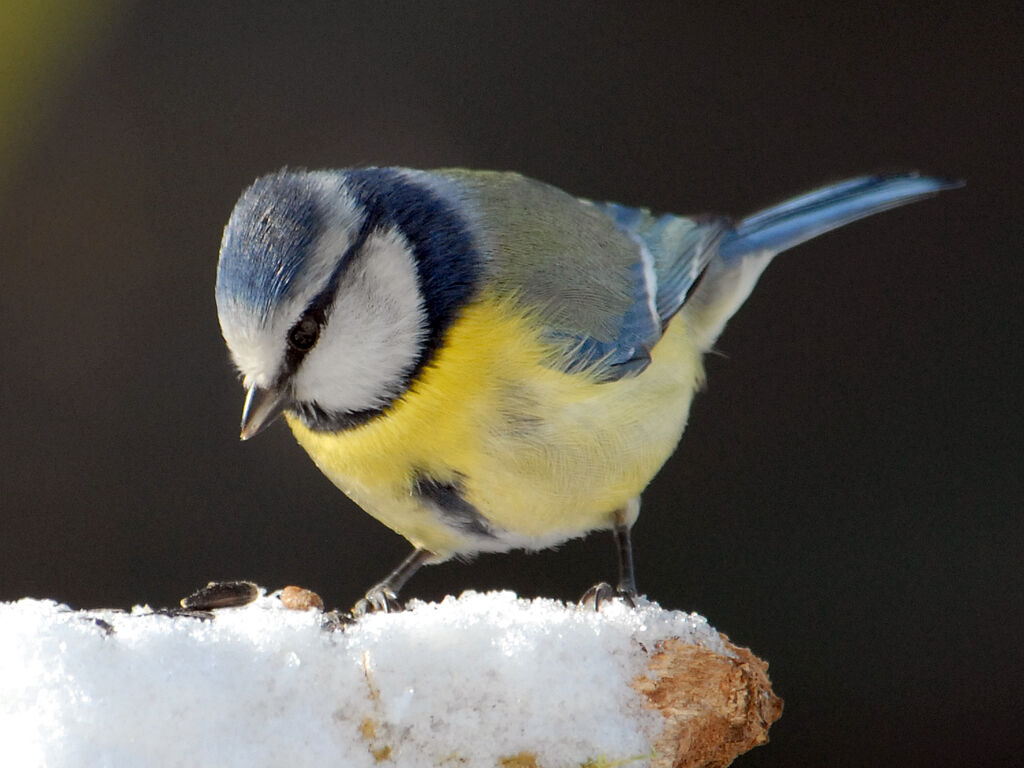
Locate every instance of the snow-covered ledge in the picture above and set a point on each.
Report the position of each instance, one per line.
(485, 680)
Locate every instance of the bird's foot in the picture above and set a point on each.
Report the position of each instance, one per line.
(602, 593)
(380, 598)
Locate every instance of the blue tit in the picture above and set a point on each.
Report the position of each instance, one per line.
(482, 361)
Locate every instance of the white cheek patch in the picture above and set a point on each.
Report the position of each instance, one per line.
(374, 333)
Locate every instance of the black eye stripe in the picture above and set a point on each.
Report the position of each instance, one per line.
(310, 323)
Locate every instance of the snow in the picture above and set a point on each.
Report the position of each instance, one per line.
(464, 682)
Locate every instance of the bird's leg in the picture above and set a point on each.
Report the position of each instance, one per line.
(626, 588)
(627, 579)
(383, 596)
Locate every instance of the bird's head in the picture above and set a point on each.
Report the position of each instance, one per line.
(332, 291)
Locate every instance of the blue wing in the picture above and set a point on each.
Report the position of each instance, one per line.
(671, 254)
(602, 279)
(680, 248)
(605, 279)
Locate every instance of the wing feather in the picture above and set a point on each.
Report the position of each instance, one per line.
(603, 279)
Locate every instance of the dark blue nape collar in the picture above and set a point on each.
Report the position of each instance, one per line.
(448, 262)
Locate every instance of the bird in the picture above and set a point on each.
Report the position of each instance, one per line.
(482, 361)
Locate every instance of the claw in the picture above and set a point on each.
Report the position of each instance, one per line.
(379, 599)
(383, 596)
(602, 593)
(626, 589)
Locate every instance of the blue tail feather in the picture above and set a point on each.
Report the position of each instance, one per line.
(798, 220)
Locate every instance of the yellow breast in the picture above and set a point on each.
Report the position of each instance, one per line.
(543, 455)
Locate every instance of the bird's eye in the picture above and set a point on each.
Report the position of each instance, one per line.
(303, 334)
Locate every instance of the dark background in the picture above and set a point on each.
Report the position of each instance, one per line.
(847, 498)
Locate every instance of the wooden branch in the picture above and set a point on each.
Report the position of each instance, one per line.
(483, 680)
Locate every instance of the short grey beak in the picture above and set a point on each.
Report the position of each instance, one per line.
(261, 407)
